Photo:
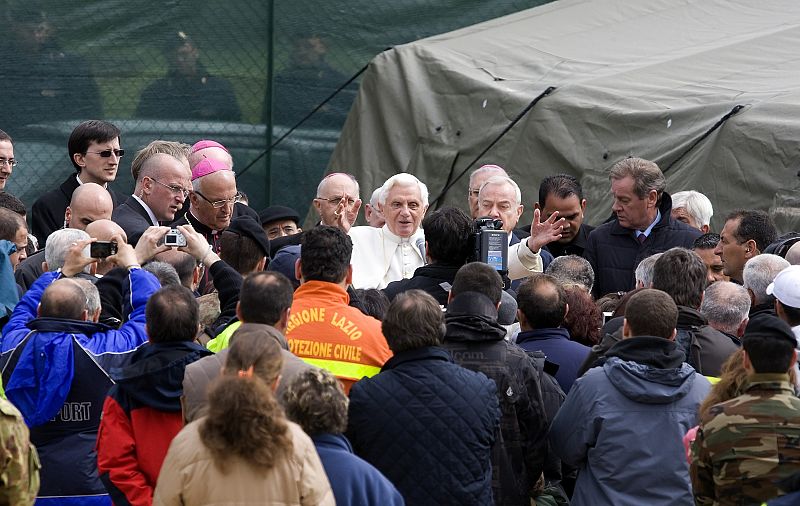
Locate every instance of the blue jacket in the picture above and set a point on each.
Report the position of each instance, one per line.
(559, 349)
(622, 425)
(428, 425)
(354, 481)
(56, 372)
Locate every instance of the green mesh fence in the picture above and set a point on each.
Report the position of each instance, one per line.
(190, 69)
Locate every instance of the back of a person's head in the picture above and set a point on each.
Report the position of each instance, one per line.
(759, 272)
(480, 278)
(754, 225)
(542, 301)
(315, 400)
(183, 263)
(264, 297)
(164, 273)
(240, 252)
(644, 271)
(244, 420)
(58, 245)
(325, 254)
(584, 319)
(572, 270)
(414, 320)
(172, 314)
(244, 244)
(63, 299)
(374, 302)
(651, 312)
(10, 223)
(725, 306)
(12, 203)
(682, 274)
(769, 344)
(447, 232)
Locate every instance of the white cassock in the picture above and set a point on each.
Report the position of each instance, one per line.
(380, 257)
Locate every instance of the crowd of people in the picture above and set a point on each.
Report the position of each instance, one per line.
(174, 346)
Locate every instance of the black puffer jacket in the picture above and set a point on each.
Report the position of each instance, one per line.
(428, 425)
(614, 251)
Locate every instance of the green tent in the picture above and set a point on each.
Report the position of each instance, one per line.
(709, 89)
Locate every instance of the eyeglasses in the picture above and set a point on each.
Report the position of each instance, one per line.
(8, 161)
(335, 201)
(106, 153)
(219, 203)
(173, 188)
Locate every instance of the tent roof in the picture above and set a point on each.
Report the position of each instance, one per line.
(646, 78)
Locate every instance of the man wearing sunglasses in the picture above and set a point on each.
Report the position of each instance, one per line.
(95, 153)
(162, 185)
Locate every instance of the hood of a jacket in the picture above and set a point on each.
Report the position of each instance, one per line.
(650, 370)
(45, 368)
(155, 375)
(688, 318)
(471, 316)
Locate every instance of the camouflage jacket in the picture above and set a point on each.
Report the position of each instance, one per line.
(746, 445)
(19, 463)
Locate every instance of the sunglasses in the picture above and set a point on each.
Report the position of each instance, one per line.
(106, 153)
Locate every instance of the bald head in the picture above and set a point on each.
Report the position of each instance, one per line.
(793, 255)
(64, 298)
(90, 202)
(104, 230)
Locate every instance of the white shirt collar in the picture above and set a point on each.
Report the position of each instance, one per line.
(150, 213)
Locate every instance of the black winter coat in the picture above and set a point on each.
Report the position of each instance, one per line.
(428, 425)
(614, 251)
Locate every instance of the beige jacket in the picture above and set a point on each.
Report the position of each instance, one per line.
(189, 476)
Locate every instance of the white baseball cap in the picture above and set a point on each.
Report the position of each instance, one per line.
(786, 286)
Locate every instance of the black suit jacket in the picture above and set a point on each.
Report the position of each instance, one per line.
(47, 214)
(133, 218)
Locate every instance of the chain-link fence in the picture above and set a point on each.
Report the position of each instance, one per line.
(191, 69)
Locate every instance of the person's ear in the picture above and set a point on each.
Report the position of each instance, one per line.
(652, 198)
(449, 297)
(261, 264)
(80, 159)
(39, 308)
(196, 275)
(96, 315)
(748, 366)
(794, 359)
(239, 311)
(45, 268)
(626, 329)
(276, 383)
(674, 333)
(583, 205)
(705, 229)
(85, 315)
(349, 278)
(67, 216)
(298, 270)
(742, 327)
(750, 249)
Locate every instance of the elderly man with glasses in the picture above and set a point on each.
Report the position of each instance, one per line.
(213, 202)
(94, 150)
(162, 185)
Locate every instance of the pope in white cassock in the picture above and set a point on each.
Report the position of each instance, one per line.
(395, 251)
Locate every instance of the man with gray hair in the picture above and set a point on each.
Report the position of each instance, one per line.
(644, 271)
(694, 209)
(372, 214)
(572, 270)
(726, 306)
(476, 180)
(758, 273)
(58, 246)
(337, 199)
(394, 251)
(642, 225)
